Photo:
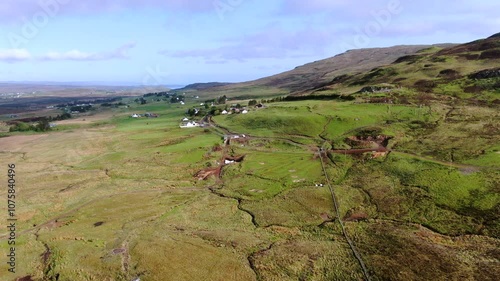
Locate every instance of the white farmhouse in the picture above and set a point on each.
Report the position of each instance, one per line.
(190, 124)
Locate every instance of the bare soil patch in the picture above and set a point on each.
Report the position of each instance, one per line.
(119, 251)
(25, 278)
(206, 173)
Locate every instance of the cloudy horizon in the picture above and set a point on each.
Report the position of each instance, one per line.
(154, 42)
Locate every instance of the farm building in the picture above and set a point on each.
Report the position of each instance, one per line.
(190, 124)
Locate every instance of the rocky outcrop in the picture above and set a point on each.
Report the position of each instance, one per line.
(449, 74)
(376, 89)
(490, 54)
(486, 74)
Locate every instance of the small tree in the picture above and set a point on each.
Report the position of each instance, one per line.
(191, 112)
(221, 100)
(43, 125)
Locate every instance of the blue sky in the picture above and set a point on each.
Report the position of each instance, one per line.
(169, 42)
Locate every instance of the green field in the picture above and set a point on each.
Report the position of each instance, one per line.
(116, 198)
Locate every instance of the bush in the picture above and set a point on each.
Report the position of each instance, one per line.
(20, 127)
(42, 126)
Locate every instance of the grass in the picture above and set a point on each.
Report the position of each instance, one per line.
(434, 195)
(294, 208)
(307, 259)
(114, 197)
(490, 157)
(136, 177)
(311, 118)
(416, 253)
(277, 120)
(264, 174)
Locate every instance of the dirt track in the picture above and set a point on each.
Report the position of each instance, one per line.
(359, 151)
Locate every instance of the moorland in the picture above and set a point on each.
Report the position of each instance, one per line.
(382, 168)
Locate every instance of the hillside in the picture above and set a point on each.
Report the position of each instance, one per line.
(321, 72)
(203, 86)
(440, 69)
(386, 169)
(464, 71)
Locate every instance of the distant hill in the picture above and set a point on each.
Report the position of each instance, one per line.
(203, 86)
(469, 71)
(440, 69)
(312, 75)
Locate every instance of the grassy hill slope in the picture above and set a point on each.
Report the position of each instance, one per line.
(444, 69)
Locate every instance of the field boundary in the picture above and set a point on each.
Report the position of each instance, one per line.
(337, 214)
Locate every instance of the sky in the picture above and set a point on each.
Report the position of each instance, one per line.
(178, 42)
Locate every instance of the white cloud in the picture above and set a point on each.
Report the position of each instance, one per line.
(77, 55)
(14, 55)
(18, 55)
(270, 43)
(71, 55)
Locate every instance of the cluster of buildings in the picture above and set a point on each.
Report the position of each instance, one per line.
(147, 115)
(187, 123)
(190, 124)
(234, 111)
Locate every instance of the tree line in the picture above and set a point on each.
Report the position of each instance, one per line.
(42, 125)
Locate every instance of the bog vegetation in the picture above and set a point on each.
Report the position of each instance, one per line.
(413, 166)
